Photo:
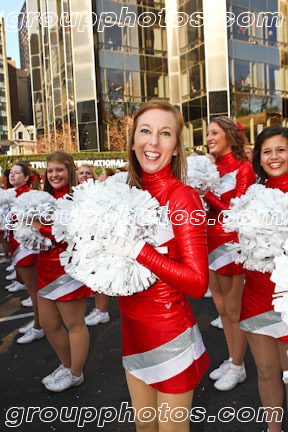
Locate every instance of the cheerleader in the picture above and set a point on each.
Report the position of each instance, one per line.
(25, 260)
(267, 334)
(226, 143)
(61, 298)
(163, 352)
(85, 172)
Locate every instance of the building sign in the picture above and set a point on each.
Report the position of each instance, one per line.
(97, 163)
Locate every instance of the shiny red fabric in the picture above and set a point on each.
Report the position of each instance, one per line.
(49, 266)
(153, 317)
(245, 177)
(31, 259)
(259, 289)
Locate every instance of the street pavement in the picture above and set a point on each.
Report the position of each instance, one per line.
(102, 402)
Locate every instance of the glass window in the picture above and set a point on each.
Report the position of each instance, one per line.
(87, 136)
(132, 62)
(192, 57)
(240, 29)
(36, 80)
(218, 102)
(258, 75)
(242, 75)
(194, 81)
(153, 88)
(113, 38)
(274, 78)
(115, 60)
(115, 81)
(35, 61)
(34, 46)
(86, 111)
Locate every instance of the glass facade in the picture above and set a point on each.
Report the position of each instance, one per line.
(131, 66)
(88, 80)
(63, 77)
(258, 62)
(193, 82)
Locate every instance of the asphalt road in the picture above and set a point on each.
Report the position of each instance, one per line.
(101, 402)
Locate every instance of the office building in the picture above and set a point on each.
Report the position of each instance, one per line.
(90, 75)
(5, 111)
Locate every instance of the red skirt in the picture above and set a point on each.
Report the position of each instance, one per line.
(221, 259)
(53, 282)
(21, 257)
(161, 342)
(257, 313)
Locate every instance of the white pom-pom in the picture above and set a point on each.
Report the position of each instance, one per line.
(7, 197)
(280, 278)
(90, 220)
(202, 174)
(28, 207)
(118, 178)
(259, 219)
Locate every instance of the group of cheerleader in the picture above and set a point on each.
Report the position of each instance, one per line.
(163, 353)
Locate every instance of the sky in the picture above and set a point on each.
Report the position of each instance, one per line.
(12, 43)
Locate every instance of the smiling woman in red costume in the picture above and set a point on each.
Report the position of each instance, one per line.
(25, 260)
(61, 298)
(226, 143)
(163, 352)
(267, 333)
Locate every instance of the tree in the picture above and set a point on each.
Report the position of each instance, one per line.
(119, 132)
(63, 138)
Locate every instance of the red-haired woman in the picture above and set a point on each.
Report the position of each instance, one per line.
(163, 352)
(226, 143)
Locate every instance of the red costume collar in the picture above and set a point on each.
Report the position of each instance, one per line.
(156, 183)
(228, 158)
(59, 193)
(227, 164)
(24, 188)
(278, 182)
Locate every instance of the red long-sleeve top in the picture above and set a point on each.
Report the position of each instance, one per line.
(184, 269)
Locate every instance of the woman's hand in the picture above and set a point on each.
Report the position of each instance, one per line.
(202, 192)
(36, 224)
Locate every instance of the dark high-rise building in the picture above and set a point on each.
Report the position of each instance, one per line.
(23, 38)
(89, 73)
(5, 112)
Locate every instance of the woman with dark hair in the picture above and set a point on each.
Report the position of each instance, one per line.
(163, 352)
(25, 260)
(107, 172)
(61, 298)
(225, 142)
(267, 334)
